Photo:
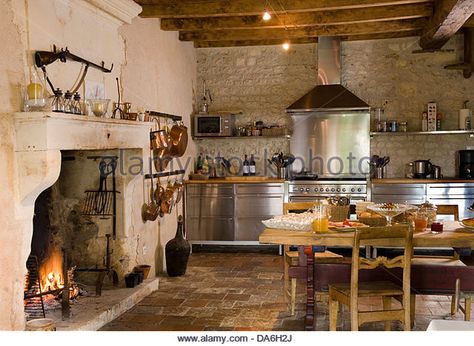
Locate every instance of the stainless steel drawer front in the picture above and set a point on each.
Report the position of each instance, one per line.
(248, 228)
(259, 188)
(197, 206)
(210, 189)
(210, 228)
(258, 206)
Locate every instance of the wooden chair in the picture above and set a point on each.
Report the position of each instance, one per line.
(349, 294)
(292, 257)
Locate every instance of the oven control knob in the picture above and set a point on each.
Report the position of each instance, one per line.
(343, 189)
(327, 189)
(301, 189)
(333, 189)
(353, 189)
(321, 189)
(307, 189)
(316, 189)
(338, 190)
(359, 190)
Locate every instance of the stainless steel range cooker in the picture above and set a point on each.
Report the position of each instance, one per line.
(304, 190)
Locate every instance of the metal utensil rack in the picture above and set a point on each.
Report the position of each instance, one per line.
(154, 114)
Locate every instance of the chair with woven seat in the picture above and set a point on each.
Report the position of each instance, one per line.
(292, 258)
(349, 293)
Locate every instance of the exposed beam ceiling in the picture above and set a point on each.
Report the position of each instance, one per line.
(449, 16)
(313, 31)
(290, 20)
(223, 23)
(220, 8)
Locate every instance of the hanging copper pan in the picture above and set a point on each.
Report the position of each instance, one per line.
(178, 139)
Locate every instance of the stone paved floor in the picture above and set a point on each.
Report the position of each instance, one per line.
(242, 291)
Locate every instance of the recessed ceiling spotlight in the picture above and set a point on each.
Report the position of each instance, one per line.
(266, 15)
(286, 45)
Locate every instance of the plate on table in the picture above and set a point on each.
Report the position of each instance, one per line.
(468, 223)
(346, 226)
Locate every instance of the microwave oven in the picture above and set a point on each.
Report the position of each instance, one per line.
(213, 125)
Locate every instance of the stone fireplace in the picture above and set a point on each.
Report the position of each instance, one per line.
(59, 157)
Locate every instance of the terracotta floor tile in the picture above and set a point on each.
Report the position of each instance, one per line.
(244, 292)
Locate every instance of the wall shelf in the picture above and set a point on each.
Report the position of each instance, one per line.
(242, 137)
(416, 133)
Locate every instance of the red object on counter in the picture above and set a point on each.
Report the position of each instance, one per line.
(437, 227)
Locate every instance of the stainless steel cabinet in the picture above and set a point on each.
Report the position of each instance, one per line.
(210, 212)
(460, 194)
(399, 193)
(254, 203)
(230, 212)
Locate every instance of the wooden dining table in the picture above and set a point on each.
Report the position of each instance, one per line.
(454, 235)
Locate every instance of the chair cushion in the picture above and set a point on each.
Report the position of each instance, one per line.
(425, 279)
(369, 289)
(444, 261)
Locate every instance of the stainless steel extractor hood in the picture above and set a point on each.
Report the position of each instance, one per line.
(329, 94)
(330, 124)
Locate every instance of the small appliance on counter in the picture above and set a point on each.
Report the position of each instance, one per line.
(422, 169)
(466, 164)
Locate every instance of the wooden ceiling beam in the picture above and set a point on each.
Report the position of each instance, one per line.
(448, 17)
(238, 43)
(221, 8)
(213, 44)
(332, 17)
(385, 35)
(470, 22)
(328, 30)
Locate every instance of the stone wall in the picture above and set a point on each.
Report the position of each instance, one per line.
(259, 81)
(263, 81)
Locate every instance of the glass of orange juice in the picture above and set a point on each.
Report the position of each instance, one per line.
(321, 220)
(421, 221)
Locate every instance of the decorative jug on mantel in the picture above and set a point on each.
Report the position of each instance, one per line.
(177, 252)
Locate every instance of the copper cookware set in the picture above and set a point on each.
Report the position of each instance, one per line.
(168, 143)
(165, 144)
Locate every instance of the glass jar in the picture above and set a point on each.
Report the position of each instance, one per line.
(68, 103)
(35, 98)
(321, 214)
(429, 210)
(402, 126)
(76, 104)
(57, 105)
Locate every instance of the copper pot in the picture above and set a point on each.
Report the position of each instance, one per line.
(178, 139)
(168, 199)
(160, 142)
(151, 210)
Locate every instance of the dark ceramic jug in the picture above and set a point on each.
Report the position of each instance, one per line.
(177, 252)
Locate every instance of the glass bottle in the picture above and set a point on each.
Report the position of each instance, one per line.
(68, 102)
(36, 92)
(205, 165)
(76, 104)
(199, 164)
(246, 167)
(252, 169)
(57, 105)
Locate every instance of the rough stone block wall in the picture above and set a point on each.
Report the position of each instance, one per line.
(259, 81)
(263, 81)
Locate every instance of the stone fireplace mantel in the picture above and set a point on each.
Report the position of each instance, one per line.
(40, 137)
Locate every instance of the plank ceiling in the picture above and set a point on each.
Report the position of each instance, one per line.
(223, 23)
